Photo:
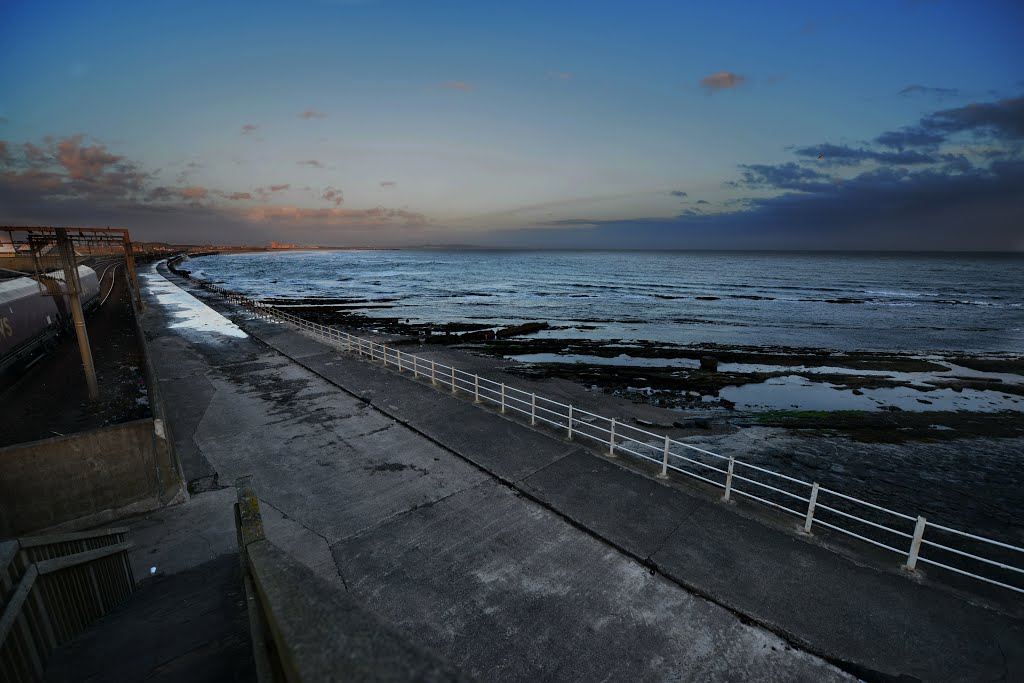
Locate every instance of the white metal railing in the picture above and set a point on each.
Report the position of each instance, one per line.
(805, 501)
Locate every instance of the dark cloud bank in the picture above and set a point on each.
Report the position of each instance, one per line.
(953, 181)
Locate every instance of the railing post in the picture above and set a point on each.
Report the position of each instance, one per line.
(433, 373)
(398, 359)
(348, 341)
(915, 545)
(570, 420)
(454, 390)
(476, 388)
(810, 508)
(533, 409)
(384, 349)
(664, 460)
(503, 397)
(611, 440)
(415, 368)
(728, 479)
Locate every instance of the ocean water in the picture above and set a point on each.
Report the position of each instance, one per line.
(850, 301)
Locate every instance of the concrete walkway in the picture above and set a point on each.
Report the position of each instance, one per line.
(517, 554)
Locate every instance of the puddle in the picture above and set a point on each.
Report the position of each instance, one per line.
(189, 312)
(798, 393)
(621, 359)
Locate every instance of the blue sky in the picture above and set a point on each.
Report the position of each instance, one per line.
(522, 124)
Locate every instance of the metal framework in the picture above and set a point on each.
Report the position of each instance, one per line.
(52, 248)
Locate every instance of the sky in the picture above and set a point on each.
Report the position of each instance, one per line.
(848, 124)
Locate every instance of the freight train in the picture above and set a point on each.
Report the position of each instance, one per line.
(34, 312)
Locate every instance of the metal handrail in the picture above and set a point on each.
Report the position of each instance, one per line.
(665, 447)
(51, 588)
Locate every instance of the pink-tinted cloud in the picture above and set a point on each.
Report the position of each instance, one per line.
(723, 80)
(84, 161)
(279, 188)
(457, 85)
(312, 114)
(237, 196)
(338, 217)
(194, 193)
(249, 128)
(67, 168)
(310, 162)
(333, 195)
(5, 156)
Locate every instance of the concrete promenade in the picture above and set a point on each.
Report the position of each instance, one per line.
(514, 553)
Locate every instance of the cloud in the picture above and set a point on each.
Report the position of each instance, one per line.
(310, 162)
(338, 217)
(879, 209)
(388, 184)
(194, 193)
(84, 161)
(237, 196)
(333, 195)
(677, 193)
(560, 75)
(723, 80)
(68, 168)
(915, 89)
(787, 176)
(279, 188)
(457, 85)
(910, 137)
(4, 154)
(312, 114)
(1002, 119)
(999, 121)
(249, 128)
(841, 155)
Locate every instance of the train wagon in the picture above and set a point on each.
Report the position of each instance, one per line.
(29, 319)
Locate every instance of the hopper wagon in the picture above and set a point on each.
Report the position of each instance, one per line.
(31, 319)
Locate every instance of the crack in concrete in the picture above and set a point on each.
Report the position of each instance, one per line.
(649, 561)
(313, 531)
(419, 506)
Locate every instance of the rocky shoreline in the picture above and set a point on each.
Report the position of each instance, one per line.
(930, 462)
(692, 378)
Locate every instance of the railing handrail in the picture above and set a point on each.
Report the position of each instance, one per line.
(37, 541)
(661, 452)
(52, 588)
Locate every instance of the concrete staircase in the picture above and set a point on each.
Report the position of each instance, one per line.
(190, 626)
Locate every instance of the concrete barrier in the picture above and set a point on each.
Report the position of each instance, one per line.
(85, 479)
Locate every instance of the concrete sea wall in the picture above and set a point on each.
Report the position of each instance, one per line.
(86, 479)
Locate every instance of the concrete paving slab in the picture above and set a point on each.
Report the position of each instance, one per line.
(177, 538)
(880, 623)
(633, 512)
(502, 447)
(325, 457)
(508, 591)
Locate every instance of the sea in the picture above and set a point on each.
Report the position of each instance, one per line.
(908, 302)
